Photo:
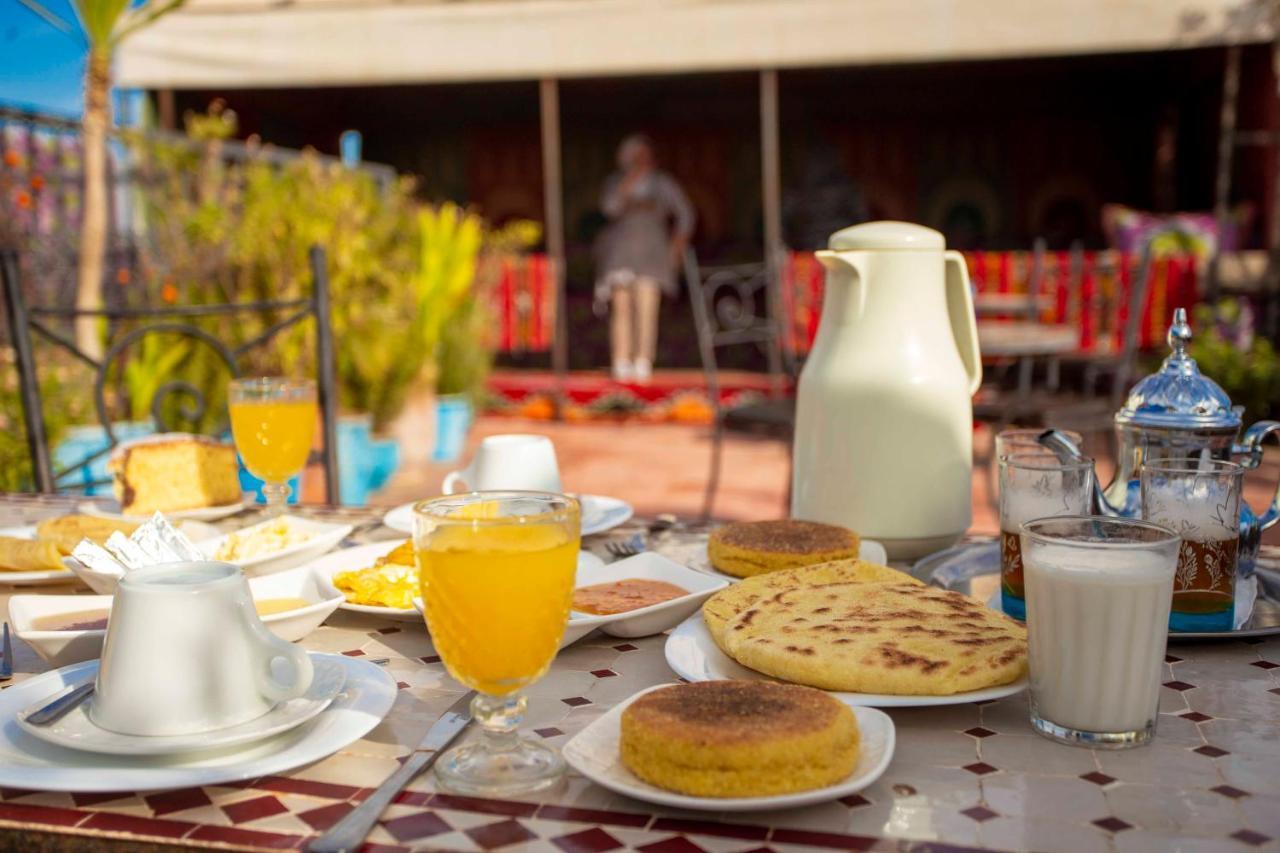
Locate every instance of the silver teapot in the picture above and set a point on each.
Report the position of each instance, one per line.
(1179, 414)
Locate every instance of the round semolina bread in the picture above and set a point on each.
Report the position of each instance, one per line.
(739, 738)
(747, 548)
(904, 639)
(732, 600)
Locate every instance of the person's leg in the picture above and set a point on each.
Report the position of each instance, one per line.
(621, 339)
(648, 299)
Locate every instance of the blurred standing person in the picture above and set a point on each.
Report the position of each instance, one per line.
(651, 221)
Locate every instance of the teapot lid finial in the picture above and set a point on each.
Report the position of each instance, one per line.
(1179, 333)
(1178, 395)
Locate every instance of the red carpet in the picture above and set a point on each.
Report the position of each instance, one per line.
(671, 395)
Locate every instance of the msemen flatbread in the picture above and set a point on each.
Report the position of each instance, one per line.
(731, 601)
(904, 639)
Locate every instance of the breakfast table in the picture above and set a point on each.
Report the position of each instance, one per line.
(970, 776)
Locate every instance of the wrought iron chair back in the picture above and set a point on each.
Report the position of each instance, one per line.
(734, 306)
(177, 320)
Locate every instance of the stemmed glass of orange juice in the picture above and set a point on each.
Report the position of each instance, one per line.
(273, 421)
(497, 572)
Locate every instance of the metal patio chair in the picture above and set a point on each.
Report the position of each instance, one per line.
(25, 319)
(731, 308)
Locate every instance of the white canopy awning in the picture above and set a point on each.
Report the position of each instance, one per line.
(266, 43)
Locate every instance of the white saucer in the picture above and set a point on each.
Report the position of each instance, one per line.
(594, 753)
(599, 513)
(110, 508)
(32, 764)
(77, 731)
(695, 656)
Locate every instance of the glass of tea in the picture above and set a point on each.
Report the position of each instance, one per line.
(1034, 484)
(497, 572)
(1200, 501)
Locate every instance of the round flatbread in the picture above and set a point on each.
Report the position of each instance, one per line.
(747, 548)
(903, 639)
(732, 600)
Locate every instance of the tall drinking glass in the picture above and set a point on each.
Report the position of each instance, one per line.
(1026, 440)
(1034, 484)
(1200, 500)
(497, 573)
(1098, 594)
(273, 421)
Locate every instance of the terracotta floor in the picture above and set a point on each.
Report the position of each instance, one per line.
(663, 468)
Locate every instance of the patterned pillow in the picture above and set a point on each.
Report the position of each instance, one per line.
(1133, 230)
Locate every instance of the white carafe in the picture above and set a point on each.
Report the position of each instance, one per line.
(884, 422)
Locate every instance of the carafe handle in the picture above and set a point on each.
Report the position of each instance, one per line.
(963, 324)
(1251, 448)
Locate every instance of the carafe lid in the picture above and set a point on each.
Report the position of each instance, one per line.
(886, 235)
(1178, 395)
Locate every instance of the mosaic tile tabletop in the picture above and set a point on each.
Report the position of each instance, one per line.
(968, 776)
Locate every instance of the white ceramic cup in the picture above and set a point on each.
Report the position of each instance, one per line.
(514, 461)
(185, 652)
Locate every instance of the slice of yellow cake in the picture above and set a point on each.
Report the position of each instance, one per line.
(174, 471)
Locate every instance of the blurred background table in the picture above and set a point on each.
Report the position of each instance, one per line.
(965, 776)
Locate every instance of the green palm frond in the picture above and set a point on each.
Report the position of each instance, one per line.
(105, 23)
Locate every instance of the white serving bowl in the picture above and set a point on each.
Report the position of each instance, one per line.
(644, 621)
(324, 537)
(60, 648)
(327, 537)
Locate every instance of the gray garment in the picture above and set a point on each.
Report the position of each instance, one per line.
(638, 239)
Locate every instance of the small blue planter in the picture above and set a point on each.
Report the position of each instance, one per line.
(454, 414)
(364, 463)
(84, 441)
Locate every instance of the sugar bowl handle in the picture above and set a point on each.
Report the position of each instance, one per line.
(1251, 449)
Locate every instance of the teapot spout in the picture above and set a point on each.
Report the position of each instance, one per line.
(1067, 451)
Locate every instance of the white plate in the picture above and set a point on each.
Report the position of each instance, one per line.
(594, 753)
(324, 537)
(599, 513)
(110, 508)
(31, 764)
(694, 656)
(363, 556)
(60, 648)
(77, 731)
(34, 578)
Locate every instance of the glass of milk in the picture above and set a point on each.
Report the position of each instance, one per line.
(1098, 591)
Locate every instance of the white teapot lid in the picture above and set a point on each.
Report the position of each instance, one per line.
(887, 235)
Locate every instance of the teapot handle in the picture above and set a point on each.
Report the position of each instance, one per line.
(1251, 448)
(963, 324)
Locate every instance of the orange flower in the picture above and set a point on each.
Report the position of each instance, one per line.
(37, 182)
(122, 276)
(24, 199)
(11, 158)
(169, 293)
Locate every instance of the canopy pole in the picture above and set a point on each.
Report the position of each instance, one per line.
(553, 216)
(771, 198)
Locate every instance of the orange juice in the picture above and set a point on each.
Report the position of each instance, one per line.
(274, 437)
(497, 599)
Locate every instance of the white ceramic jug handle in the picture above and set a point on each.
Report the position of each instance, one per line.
(272, 649)
(964, 326)
(450, 480)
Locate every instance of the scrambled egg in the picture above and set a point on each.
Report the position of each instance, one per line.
(261, 539)
(392, 581)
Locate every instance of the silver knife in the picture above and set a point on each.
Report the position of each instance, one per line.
(59, 705)
(350, 832)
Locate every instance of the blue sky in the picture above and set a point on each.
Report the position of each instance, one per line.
(40, 66)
